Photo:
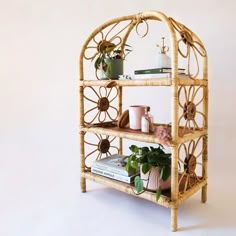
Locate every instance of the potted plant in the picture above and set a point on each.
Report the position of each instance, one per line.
(110, 59)
(155, 168)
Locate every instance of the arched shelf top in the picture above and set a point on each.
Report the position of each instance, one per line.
(115, 33)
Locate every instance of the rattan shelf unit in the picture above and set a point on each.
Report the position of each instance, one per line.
(189, 111)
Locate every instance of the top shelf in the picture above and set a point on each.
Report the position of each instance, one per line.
(145, 82)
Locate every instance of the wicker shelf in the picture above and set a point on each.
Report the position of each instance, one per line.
(165, 199)
(189, 110)
(139, 136)
(145, 82)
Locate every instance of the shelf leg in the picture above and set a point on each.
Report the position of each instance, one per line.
(204, 194)
(204, 169)
(83, 184)
(82, 162)
(174, 219)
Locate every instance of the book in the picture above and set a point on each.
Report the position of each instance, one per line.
(157, 75)
(114, 163)
(157, 70)
(112, 175)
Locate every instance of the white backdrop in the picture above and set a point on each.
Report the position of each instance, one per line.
(40, 42)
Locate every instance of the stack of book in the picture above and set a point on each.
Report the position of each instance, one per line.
(113, 167)
(157, 73)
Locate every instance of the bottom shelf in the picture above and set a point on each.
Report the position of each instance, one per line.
(164, 200)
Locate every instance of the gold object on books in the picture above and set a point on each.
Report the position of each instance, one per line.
(163, 48)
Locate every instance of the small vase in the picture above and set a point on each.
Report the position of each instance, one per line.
(151, 180)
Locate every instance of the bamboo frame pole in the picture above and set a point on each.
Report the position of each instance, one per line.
(120, 102)
(81, 123)
(204, 169)
(174, 117)
(174, 129)
(205, 138)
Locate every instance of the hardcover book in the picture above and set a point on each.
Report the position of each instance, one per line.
(157, 75)
(157, 70)
(114, 163)
(112, 175)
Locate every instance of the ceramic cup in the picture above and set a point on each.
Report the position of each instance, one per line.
(135, 115)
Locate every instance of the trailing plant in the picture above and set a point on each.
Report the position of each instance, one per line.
(147, 158)
(108, 50)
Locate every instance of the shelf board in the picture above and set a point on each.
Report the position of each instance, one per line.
(197, 82)
(144, 82)
(123, 133)
(193, 135)
(140, 136)
(164, 200)
(127, 188)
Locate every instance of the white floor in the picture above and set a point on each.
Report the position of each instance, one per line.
(40, 196)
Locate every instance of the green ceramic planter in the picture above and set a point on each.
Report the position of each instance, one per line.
(114, 69)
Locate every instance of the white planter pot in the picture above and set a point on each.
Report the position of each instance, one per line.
(152, 182)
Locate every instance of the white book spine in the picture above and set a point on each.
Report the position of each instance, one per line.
(112, 175)
(156, 76)
(110, 168)
(151, 76)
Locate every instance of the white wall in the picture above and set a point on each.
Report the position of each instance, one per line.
(39, 46)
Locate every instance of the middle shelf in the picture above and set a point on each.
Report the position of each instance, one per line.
(143, 137)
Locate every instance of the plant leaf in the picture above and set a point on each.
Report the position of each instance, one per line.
(146, 167)
(166, 173)
(129, 167)
(134, 164)
(161, 170)
(158, 193)
(134, 148)
(138, 183)
(145, 150)
(97, 63)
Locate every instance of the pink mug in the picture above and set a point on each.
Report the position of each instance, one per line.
(135, 115)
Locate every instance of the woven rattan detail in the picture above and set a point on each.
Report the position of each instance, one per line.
(104, 145)
(190, 157)
(104, 46)
(189, 111)
(101, 146)
(192, 46)
(103, 104)
(190, 164)
(190, 101)
(186, 37)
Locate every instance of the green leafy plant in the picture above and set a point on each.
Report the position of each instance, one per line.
(108, 50)
(147, 158)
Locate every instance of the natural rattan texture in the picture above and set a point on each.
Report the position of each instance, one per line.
(187, 136)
